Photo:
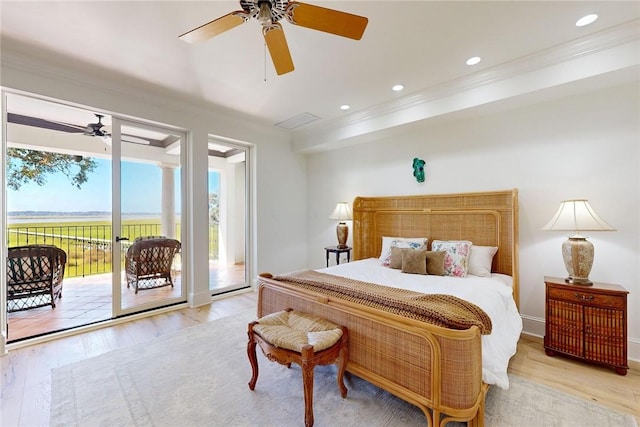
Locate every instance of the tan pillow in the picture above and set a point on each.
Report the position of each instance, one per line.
(435, 262)
(396, 257)
(414, 261)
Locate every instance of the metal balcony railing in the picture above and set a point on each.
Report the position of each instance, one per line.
(89, 247)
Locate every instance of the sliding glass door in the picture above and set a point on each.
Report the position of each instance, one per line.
(228, 181)
(147, 195)
(90, 184)
(58, 176)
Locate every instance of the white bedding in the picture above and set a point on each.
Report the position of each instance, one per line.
(492, 294)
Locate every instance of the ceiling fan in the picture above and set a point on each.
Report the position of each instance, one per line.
(95, 129)
(98, 129)
(269, 12)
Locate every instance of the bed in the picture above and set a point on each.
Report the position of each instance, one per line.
(441, 370)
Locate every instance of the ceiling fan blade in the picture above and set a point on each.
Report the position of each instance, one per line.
(134, 139)
(215, 27)
(278, 48)
(327, 20)
(42, 123)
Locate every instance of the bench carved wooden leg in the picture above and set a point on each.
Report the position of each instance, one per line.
(343, 357)
(251, 352)
(307, 382)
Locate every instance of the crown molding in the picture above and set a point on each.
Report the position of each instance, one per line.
(317, 136)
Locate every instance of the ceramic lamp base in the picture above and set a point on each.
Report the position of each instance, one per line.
(577, 253)
(578, 281)
(342, 231)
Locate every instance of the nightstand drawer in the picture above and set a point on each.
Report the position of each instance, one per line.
(587, 298)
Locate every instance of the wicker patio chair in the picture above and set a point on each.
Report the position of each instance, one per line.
(34, 276)
(148, 262)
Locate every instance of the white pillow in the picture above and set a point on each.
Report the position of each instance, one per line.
(456, 259)
(400, 242)
(480, 260)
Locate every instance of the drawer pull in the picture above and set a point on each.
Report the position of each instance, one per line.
(584, 297)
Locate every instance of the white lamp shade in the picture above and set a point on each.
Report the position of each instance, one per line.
(342, 212)
(577, 215)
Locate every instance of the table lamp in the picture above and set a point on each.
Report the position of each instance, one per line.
(577, 252)
(342, 213)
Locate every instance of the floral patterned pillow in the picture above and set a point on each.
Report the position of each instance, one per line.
(456, 259)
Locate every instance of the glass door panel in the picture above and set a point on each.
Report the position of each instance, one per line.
(70, 172)
(228, 213)
(150, 202)
(58, 193)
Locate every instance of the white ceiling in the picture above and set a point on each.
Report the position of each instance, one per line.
(421, 44)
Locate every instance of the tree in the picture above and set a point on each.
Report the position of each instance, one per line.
(25, 165)
(214, 208)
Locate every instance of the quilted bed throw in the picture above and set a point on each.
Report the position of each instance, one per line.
(438, 309)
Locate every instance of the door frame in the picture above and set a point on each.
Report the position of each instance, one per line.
(247, 150)
(4, 325)
(116, 221)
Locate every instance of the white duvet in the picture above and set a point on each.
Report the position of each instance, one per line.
(492, 294)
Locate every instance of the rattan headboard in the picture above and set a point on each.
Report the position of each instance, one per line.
(486, 219)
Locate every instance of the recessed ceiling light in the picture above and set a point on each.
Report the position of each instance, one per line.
(473, 60)
(345, 107)
(397, 88)
(586, 20)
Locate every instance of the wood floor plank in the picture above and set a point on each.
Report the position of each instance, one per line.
(574, 377)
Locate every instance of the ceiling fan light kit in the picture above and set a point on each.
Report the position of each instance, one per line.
(269, 12)
(95, 129)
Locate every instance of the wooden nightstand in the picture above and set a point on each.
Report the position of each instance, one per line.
(587, 322)
(336, 250)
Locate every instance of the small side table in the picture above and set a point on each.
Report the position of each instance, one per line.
(336, 250)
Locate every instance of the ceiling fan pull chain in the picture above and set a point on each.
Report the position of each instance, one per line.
(265, 61)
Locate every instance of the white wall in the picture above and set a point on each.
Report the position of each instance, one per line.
(582, 146)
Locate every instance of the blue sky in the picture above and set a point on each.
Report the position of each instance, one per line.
(140, 183)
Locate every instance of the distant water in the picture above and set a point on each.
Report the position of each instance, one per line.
(41, 217)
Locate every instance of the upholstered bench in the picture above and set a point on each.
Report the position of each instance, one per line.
(293, 336)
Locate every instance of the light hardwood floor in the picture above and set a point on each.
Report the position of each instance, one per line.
(25, 391)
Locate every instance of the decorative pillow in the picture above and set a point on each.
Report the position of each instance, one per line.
(396, 257)
(435, 263)
(414, 261)
(480, 260)
(456, 259)
(400, 242)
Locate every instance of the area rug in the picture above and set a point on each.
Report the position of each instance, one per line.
(198, 377)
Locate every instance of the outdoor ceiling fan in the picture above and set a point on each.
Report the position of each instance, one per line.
(269, 12)
(98, 129)
(95, 129)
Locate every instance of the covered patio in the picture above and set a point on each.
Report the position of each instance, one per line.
(87, 300)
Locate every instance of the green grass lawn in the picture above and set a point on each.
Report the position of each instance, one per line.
(88, 243)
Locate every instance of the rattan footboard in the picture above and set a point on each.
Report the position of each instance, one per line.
(437, 369)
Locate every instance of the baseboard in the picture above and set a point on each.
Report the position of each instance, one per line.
(233, 293)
